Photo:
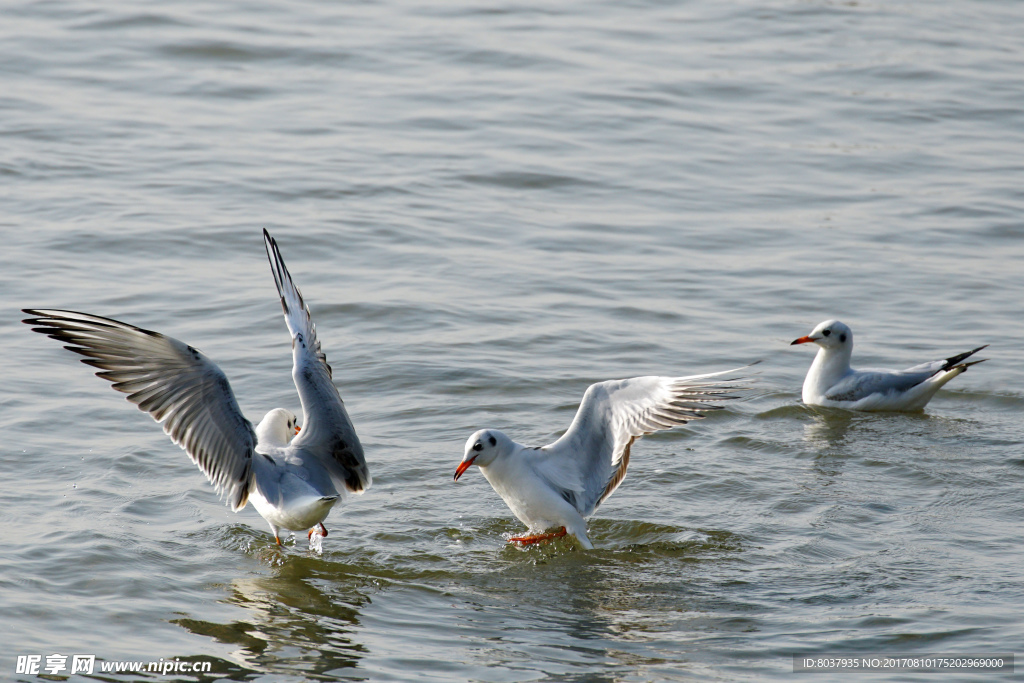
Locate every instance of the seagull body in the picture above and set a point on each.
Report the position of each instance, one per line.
(831, 382)
(291, 490)
(293, 476)
(562, 483)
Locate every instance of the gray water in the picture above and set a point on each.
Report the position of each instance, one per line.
(489, 206)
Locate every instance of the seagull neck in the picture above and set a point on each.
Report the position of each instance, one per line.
(829, 366)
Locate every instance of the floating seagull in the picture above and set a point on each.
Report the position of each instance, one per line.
(833, 383)
(292, 477)
(564, 482)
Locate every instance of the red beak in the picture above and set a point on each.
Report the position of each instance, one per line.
(298, 429)
(463, 466)
(803, 340)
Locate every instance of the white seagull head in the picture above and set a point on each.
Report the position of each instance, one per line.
(278, 427)
(829, 335)
(482, 449)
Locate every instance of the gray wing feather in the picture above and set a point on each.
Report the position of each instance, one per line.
(327, 431)
(930, 368)
(864, 383)
(590, 460)
(173, 382)
(935, 366)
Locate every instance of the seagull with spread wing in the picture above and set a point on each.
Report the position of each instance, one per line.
(559, 485)
(831, 382)
(293, 476)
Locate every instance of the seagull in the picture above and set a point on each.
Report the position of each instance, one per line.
(562, 483)
(292, 475)
(831, 382)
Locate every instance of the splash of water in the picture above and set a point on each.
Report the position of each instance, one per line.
(316, 541)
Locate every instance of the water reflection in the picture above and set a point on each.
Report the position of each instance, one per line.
(301, 620)
(605, 610)
(828, 427)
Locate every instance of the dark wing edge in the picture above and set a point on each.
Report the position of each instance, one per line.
(954, 361)
(173, 382)
(289, 291)
(320, 399)
(352, 465)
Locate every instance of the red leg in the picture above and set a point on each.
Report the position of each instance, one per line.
(537, 538)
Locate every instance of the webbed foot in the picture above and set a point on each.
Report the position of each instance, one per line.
(537, 538)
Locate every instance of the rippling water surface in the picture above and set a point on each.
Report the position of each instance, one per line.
(489, 207)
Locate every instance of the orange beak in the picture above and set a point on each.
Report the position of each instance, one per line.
(298, 429)
(463, 466)
(803, 340)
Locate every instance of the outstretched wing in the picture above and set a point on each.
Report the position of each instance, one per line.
(589, 461)
(327, 432)
(173, 382)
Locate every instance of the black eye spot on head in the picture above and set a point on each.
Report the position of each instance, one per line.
(494, 442)
(842, 337)
(478, 446)
(827, 332)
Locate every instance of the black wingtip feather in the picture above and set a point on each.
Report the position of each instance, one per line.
(954, 360)
(277, 267)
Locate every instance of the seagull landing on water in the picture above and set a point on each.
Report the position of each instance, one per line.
(559, 485)
(831, 382)
(292, 477)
